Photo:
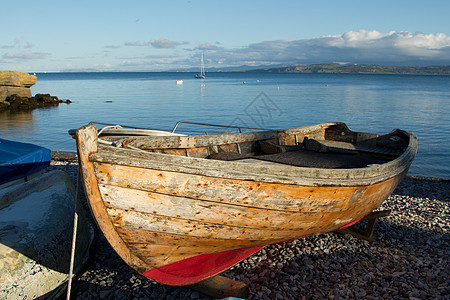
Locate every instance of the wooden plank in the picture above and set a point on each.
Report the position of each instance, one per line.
(228, 148)
(200, 152)
(236, 170)
(181, 152)
(205, 211)
(238, 192)
(200, 210)
(354, 206)
(255, 160)
(220, 287)
(247, 147)
(158, 223)
(161, 248)
(143, 236)
(390, 152)
(288, 139)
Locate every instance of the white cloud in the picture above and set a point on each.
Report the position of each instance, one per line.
(33, 55)
(112, 47)
(136, 44)
(164, 43)
(395, 42)
(16, 44)
(159, 43)
(362, 47)
(101, 66)
(207, 46)
(352, 47)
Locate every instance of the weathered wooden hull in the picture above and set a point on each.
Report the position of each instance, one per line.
(180, 220)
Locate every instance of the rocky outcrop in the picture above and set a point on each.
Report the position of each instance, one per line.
(15, 83)
(15, 93)
(16, 103)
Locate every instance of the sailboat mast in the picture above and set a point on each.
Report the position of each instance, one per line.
(202, 69)
(201, 75)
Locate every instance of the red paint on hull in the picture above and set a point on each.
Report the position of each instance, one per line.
(201, 267)
(198, 268)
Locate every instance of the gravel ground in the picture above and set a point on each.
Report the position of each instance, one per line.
(409, 260)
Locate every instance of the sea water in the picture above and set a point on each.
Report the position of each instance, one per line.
(365, 102)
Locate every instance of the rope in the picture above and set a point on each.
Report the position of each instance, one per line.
(74, 235)
(111, 143)
(134, 148)
(108, 127)
(101, 131)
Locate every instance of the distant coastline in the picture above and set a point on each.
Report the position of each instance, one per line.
(359, 69)
(314, 68)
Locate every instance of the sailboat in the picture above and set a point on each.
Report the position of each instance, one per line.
(201, 75)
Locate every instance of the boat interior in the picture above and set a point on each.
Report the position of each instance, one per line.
(326, 146)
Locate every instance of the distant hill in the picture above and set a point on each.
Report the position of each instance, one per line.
(360, 69)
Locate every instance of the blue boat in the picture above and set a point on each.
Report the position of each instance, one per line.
(19, 161)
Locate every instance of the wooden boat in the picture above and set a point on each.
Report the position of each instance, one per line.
(181, 209)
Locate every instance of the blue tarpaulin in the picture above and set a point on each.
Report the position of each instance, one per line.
(18, 160)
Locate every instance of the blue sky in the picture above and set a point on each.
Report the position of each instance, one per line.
(145, 35)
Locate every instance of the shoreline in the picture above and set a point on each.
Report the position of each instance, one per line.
(410, 258)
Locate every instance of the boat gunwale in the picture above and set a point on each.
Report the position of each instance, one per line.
(190, 141)
(286, 174)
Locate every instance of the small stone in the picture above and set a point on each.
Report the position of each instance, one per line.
(104, 294)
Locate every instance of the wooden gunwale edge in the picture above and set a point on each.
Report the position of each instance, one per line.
(189, 141)
(264, 173)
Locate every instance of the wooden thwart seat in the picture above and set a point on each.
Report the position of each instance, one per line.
(312, 153)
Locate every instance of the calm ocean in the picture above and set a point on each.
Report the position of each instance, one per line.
(370, 103)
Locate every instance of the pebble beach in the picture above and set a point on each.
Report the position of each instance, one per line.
(408, 260)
